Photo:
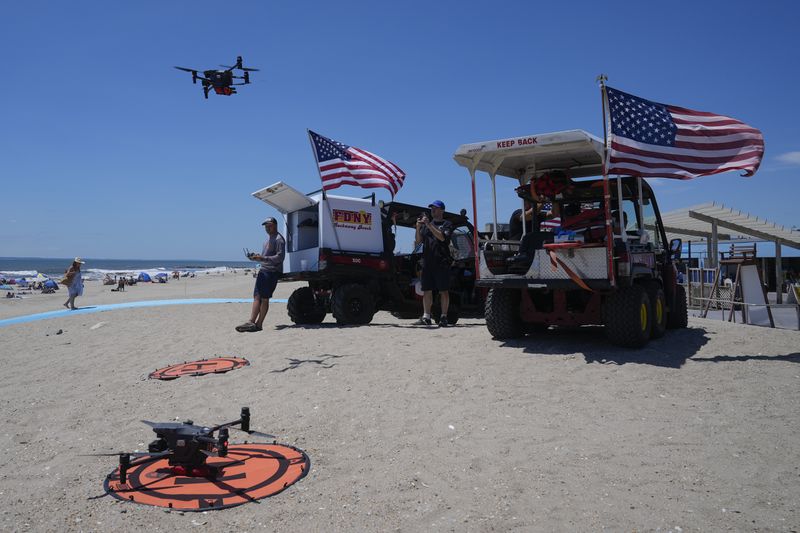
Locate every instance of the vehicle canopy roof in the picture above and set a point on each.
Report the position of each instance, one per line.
(406, 215)
(577, 152)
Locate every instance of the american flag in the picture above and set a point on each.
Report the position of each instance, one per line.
(649, 139)
(340, 164)
(551, 224)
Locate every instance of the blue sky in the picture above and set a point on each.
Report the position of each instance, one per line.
(109, 152)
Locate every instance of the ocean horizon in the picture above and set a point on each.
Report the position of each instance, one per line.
(95, 268)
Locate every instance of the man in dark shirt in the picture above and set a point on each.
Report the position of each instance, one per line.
(271, 259)
(435, 234)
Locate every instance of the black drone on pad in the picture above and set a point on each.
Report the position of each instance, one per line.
(186, 445)
(222, 81)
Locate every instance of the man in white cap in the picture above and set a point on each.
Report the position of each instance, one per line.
(271, 259)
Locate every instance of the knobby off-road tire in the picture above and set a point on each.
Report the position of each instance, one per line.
(502, 314)
(303, 307)
(353, 304)
(627, 317)
(658, 309)
(679, 315)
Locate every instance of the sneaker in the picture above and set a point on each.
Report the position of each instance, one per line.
(443, 322)
(423, 322)
(245, 327)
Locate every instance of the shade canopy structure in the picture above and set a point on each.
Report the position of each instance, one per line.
(704, 221)
(578, 152)
(697, 222)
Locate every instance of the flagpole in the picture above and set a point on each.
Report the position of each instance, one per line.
(602, 78)
(324, 195)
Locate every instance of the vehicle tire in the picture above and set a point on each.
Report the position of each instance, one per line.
(627, 317)
(678, 316)
(502, 314)
(303, 307)
(353, 304)
(658, 309)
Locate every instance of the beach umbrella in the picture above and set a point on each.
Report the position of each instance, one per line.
(50, 284)
(144, 276)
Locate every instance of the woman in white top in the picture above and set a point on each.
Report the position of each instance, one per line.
(74, 283)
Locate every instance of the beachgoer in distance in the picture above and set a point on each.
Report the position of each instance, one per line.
(74, 282)
(271, 259)
(435, 235)
(121, 283)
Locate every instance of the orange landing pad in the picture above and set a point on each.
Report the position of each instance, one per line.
(249, 473)
(217, 365)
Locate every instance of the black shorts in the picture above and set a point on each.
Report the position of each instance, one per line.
(266, 283)
(436, 278)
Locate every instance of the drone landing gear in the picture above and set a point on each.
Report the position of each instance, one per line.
(206, 471)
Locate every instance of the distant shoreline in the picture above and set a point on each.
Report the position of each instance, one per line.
(94, 268)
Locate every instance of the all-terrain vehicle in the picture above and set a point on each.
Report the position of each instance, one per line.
(598, 257)
(343, 248)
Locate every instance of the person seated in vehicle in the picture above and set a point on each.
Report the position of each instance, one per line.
(542, 233)
(515, 222)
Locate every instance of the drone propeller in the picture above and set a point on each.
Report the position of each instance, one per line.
(194, 73)
(246, 69)
(259, 434)
(134, 454)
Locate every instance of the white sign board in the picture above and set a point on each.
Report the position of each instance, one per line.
(350, 224)
(753, 293)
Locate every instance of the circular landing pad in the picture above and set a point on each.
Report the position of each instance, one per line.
(217, 365)
(249, 472)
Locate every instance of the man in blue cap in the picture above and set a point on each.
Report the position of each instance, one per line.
(435, 234)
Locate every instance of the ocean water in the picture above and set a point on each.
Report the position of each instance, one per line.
(18, 267)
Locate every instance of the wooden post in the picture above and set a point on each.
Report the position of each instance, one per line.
(714, 244)
(713, 290)
(702, 285)
(778, 274)
(737, 285)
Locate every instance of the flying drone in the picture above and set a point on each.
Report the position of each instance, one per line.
(186, 446)
(222, 81)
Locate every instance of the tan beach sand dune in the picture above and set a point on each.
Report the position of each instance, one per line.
(407, 429)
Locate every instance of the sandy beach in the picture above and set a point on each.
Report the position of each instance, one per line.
(407, 429)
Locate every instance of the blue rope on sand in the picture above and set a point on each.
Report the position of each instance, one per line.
(128, 305)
